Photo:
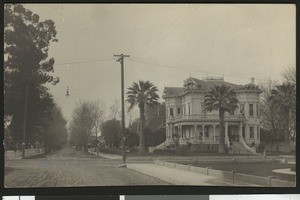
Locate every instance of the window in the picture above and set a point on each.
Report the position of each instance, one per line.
(178, 111)
(251, 110)
(183, 110)
(243, 132)
(189, 107)
(242, 109)
(257, 110)
(206, 132)
(171, 112)
(251, 132)
(258, 131)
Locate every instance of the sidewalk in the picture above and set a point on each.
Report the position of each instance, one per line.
(109, 156)
(181, 177)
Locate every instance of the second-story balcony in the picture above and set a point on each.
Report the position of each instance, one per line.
(204, 117)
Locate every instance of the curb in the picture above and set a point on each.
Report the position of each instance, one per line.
(232, 176)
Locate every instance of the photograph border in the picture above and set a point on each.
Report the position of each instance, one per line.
(157, 190)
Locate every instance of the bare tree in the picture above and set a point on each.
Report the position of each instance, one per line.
(114, 109)
(272, 115)
(87, 118)
(290, 75)
(270, 119)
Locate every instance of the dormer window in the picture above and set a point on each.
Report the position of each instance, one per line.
(190, 86)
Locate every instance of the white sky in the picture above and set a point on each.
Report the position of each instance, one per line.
(166, 43)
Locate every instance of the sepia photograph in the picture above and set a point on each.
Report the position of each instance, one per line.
(149, 95)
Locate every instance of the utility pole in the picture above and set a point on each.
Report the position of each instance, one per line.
(25, 122)
(121, 60)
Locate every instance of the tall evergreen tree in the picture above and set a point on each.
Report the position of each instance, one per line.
(26, 45)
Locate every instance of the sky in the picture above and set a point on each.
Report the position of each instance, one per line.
(167, 43)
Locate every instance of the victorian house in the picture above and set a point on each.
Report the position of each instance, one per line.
(187, 121)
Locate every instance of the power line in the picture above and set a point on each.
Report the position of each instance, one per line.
(179, 21)
(83, 59)
(170, 26)
(87, 61)
(98, 77)
(184, 69)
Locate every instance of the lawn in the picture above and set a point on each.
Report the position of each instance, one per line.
(257, 169)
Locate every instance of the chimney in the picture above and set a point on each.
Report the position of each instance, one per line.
(252, 80)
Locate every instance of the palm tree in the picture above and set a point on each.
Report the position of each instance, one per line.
(221, 98)
(142, 94)
(283, 96)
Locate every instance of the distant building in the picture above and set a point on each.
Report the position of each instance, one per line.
(188, 122)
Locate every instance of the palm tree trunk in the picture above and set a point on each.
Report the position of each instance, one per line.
(142, 130)
(222, 148)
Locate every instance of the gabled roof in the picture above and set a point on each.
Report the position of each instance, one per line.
(208, 84)
(211, 84)
(250, 87)
(173, 91)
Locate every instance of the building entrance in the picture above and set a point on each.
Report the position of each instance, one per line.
(233, 133)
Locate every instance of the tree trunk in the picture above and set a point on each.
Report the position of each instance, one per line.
(142, 130)
(222, 148)
(287, 144)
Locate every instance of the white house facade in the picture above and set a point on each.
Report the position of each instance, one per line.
(187, 121)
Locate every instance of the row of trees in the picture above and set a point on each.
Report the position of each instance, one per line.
(88, 118)
(27, 72)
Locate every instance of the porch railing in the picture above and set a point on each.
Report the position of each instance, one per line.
(236, 117)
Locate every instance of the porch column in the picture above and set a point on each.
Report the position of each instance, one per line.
(247, 134)
(255, 132)
(241, 131)
(214, 132)
(247, 110)
(195, 131)
(180, 131)
(226, 129)
(167, 131)
(203, 135)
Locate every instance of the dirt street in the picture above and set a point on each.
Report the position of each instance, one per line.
(68, 167)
